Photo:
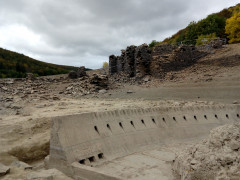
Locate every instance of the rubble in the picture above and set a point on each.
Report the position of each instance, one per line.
(72, 75)
(100, 81)
(81, 72)
(216, 43)
(80, 86)
(30, 76)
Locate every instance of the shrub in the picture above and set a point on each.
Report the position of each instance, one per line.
(204, 39)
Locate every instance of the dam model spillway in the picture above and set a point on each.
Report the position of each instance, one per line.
(123, 144)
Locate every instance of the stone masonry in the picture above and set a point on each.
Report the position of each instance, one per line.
(139, 61)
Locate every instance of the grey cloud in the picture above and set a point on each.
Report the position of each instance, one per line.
(86, 32)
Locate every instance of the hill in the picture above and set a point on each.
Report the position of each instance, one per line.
(15, 65)
(211, 27)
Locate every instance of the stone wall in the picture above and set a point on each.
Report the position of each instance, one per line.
(140, 61)
(143, 59)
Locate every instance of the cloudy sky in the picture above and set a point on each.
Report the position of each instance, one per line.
(86, 32)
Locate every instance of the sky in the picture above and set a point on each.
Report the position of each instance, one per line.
(87, 32)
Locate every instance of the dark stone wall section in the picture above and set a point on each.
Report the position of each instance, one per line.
(139, 61)
(112, 64)
(143, 59)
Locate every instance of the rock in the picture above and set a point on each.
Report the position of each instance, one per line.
(234, 145)
(146, 79)
(235, 102)
(4, 88)
(101, 81)
(193, 162)
(209, 79)
(216, 43)
(52, 174)
(30, 76)
(4, 170)
(72, 75)
(69, 88)
(22, 165)
(10, 82)
(15, 107)
(81, 72)
(55, 98)
(129, 91)
(40, 106)
(103, 91)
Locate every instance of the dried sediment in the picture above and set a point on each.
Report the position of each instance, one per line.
(217, 157)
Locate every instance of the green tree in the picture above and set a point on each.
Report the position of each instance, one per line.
(152, 44)
(20, 67)
(191, 33)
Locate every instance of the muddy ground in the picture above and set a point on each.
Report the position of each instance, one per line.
(26, 106)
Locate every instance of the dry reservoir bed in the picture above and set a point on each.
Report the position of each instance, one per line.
(130, 144)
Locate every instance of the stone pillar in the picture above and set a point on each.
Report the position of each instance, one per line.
(112, 64)
(129, 61)
(142, 61)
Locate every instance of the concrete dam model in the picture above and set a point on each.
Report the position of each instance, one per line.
(125, 144)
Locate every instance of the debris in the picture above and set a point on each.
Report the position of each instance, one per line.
(81, 72)
(30, 76)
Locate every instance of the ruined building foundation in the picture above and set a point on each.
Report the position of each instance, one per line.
(139, 61)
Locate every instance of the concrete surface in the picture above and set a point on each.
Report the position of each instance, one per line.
(124, 144)
(223, 93)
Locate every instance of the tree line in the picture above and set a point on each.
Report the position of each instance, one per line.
(225, 24)
(15, 65)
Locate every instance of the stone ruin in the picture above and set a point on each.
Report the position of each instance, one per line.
(134, 61)
(139, 61)
(81, 72)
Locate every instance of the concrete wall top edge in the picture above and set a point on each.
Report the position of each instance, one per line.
(142, 111)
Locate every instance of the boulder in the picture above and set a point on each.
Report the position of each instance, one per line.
(4, 170)
(103, 91)
(81, 72)
(72, 75)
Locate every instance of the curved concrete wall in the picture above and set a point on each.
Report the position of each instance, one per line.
(93, 138)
